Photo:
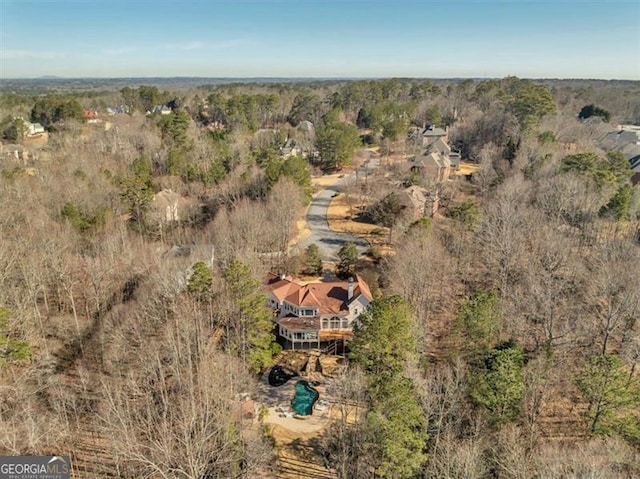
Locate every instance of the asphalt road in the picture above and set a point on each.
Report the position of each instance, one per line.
(329, 241)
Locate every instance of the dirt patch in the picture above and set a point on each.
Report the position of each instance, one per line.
(300, 454)
(302, 231)
(321, 182)
(36, 141)
(344, 218)
(466, 169)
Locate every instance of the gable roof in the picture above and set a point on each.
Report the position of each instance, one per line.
(433, 131)
(439, 146)
(328, 297)
(417, 195)
(433, 159)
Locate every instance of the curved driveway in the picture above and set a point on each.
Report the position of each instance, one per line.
(327, 240)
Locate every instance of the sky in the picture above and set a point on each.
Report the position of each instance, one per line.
(322, 38)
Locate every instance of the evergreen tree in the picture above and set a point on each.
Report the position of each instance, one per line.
(497, 382)
(613, 394)
(337, 143)
(382, 337)
(348, 255)
(250, 327)
(397, 425)
(479, 318)
(11, 350)
(312, 260)
(200, 281)
(619, 205)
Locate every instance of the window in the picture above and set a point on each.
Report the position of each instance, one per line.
(345, 323)
(325, 323)
(335, 323)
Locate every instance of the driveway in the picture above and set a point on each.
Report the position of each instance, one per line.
(327, 240)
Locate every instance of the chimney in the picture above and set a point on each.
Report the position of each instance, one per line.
(283, 276)
(350, 289)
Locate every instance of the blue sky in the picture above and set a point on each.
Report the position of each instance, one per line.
(287, 38)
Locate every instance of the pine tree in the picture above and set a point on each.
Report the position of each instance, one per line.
(200, 281)
(348, 255)
(251, 329)
(313, 262)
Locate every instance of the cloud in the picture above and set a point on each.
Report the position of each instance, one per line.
(31, 55)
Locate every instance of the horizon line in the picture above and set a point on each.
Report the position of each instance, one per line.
(57, 77)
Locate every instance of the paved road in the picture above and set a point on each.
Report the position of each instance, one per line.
(329, 241)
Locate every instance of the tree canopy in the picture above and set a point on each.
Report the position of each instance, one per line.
(591, 110)
(337, 142)
(52, 109)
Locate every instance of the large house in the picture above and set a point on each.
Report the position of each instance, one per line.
(316, 315)
(437, 159)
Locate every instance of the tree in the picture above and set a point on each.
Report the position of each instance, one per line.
(527, 101)
(382, 345)
(387, 211)
(13, 129)
(11, 349)
(591, 110)
(174, 127)
(433, 116)
(312, 260)
(382, 339)
(295, 168)
(136, 191)
(337, 142)
(250, 331)
(51, 109)
(466, 212)
(348, 255)
(613, 395)
(497, 382)
(200, 281)
(612, 170)
(306, 106)
(479, 316)
(397, 427)
(619, 205)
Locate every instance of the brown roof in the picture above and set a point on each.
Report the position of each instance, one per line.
(330, 297)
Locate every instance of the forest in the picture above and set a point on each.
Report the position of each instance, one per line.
(137, 229)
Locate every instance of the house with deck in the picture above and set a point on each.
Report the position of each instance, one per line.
(318, 315)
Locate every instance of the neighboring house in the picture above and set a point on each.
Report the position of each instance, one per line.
(433, 165)
(316, 315)
(441, 146)
(291, 148)
(432, 133)
(168, 206)
(117, 110)
(91, 116)
(31, 129)
(162, 109)
(626, 139)
(419, 201)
